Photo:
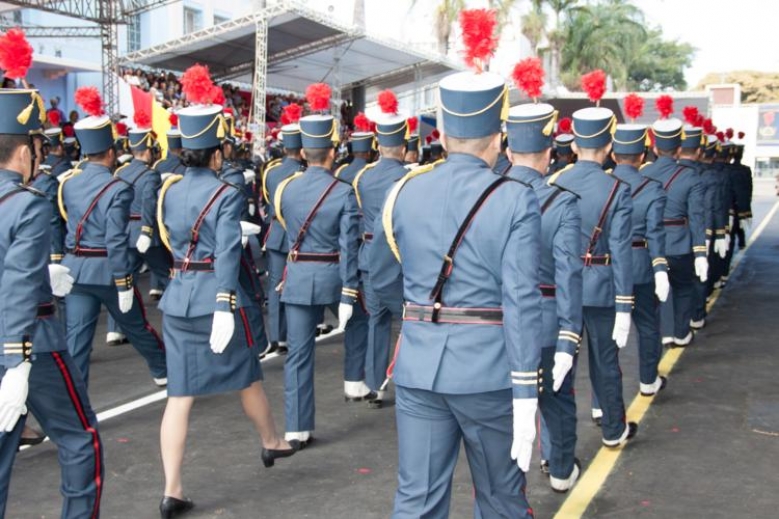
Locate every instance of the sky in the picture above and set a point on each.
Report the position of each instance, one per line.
(728, 35)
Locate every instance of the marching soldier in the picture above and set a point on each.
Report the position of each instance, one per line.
(529, 129)
(362, 150)
(55, 164)
(563, 153)
(650, 268)
(467, 364)
(716, 215)
(276, 237)
(96, 206)
(371, 185)
(728, 192)
(685, 238)
(503, 164)
(37, 371)
(411, 158)
(606, 210)
(319, 214)
(743, 186)
(172, 162)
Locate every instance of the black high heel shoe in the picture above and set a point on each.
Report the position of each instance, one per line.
(171, 507)
(269, 455)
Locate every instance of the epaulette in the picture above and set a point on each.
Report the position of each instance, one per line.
(338, 171)
(645, 164)
(356, 181)
(277, 198)
(609, 171)
(120, 168)
(556, 175)
(561, 188)
(274, 162)
(160, 220)
(157, 163)
(63, 178)
(32, 190)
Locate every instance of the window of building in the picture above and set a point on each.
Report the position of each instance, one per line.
(134, 33)
(220, 19)
(193, 20)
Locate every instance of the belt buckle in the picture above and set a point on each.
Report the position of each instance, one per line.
(436, 309)
(293, 256)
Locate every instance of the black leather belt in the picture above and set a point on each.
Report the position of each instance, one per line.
(548, 290)
(597, 260)
(196, 266)
(451, 315)
(367, 236)
(675, 221)
(312, 257)
(640, 244)
(88, 253)
(46, 310)
(135, 217)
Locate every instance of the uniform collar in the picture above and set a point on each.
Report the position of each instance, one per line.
(464, 158)
(91, 167)
(201, 171)
(689, 163)
(318, 169)
(10, 176)
(391, 161)
(526, 174)
(589, 164)
(139, 161)
(665, 161)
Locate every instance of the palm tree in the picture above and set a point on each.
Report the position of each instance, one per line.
(534, 24)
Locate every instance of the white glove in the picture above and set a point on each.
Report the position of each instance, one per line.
(746, 224)
(621, 329)
(707, 243)
(13, 395)
(248, 229)
(222, 331)
(249, 176)
(702, 269)
(524, 431)
(721, 247)
(165, 176)
(126, 298)
(345, 312)
(731, 221)
(662, 285)
(563, 362)
(61, 280)
(143, 243)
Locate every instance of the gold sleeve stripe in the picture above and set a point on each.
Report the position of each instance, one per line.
(160, 216)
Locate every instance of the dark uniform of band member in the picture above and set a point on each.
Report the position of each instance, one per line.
(529, 129)
(276, 237)
(728, 193)
(34, 355)
(467, 363)
(606, 210)
(650, 268)
(412, 150)
(96, 207)
(319, 213)
(172, 162)
(211, 346)
(743, 188)
(371, 185)
(503, 164)
(685, 235)
(362, 149)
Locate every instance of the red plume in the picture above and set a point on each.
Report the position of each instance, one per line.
(741, 135)
(291, 113)
(528, 75)
(318, 96)
(121, 129)
(362, 123)
(429, 139)
(413, 124)
(174, 120)
(690, 114)
(68, 131)
(699, 121)
(15, 54)
(54, 118)
(197, 85)
(665, 106)
(436, 134)
(634, 106)
(594, 84)
(217, 95)
(729, 133)
(373, 127)
(478, 28)
(388, 102)
(248, 136)
(142, 119)
(721, 136)
(565, 125)
(88, 98)
(708, 127)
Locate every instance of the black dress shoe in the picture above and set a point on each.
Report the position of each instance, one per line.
(370, 396)
(632, 430)
(269, 455)
(282, 350)
(272, 347)
(171, 507)
(375, 403)
(31, 440)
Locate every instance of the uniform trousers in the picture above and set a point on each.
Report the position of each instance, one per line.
(431, 427)
(277, 322)
(681, 275)
(299, 401)
(58, 399)
(83, 310)
(558, 411)
(646, 317)
(605, 373)
(379, 337)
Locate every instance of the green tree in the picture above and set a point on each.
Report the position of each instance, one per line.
(534, 24)
(659, 64)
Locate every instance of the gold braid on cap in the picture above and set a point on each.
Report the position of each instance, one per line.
(24, 115)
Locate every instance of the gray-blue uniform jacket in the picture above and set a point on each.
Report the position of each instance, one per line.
(47, 183)
(685, 231)
(561, 265)
(608, 275)
(496, 267)
(170, 164)
(146, 185)
(647, 223)
(333, 231)
(348, 172)
(200, 291)
(275, 173)
(371, 185)
(24, 277)
(101, 256)
(715, 218)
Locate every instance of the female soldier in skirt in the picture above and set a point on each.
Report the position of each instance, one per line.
(210, 346)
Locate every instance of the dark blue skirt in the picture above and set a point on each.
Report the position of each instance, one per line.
(193, 369)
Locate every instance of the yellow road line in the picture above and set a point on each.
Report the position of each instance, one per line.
(598, 471)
